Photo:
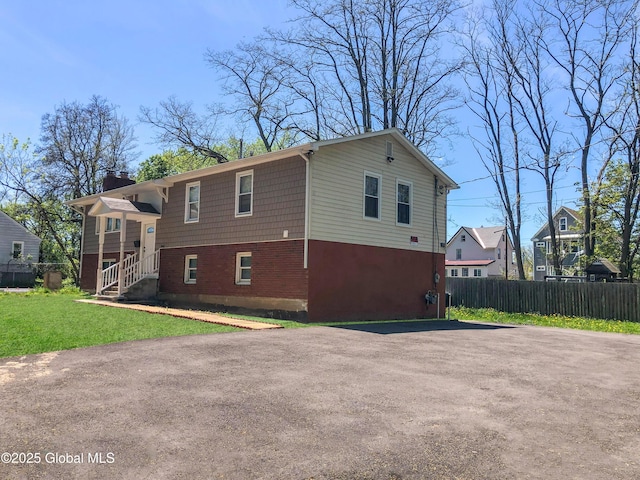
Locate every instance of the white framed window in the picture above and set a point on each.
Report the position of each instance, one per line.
(465, 272)
(458, 254)
(477, 272)
(111, 225)
(17, 249)
(541, 244)
(192, 202)
(454, 272)
(541, 268)
(562, 224)
(372, 189)
(404, 194)
(244, 193)
(243, 268)
(107, 262)
(190, 268)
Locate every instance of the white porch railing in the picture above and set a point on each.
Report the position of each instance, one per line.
(135, 272)
(129, 271)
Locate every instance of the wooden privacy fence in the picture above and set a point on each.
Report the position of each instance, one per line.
(615, 301)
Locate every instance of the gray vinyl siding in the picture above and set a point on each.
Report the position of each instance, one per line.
(337, 197)
(11, 231)
(278, 205)
(111, 239)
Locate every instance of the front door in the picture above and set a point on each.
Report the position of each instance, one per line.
(148, 238)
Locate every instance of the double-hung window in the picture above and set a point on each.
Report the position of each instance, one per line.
(111, 225)
(372, 184)
(244, 193)
(243, 268)
(17, 249)
(192, 202)
(403, 196)
(477, 272)
(190, 268)
(562, 223)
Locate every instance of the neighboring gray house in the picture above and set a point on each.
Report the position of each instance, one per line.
(18, 249)
(568, 223)
(480, 252)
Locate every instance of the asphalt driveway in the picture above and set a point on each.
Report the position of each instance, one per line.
(402, 401)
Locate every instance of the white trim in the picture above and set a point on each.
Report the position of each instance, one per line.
(239, 176)
(113, 229)
(235, 243)
(364, 195)
(188, 269)
(13, 244)
(409, 184)
(240, 268)
(566, 224)
(110, 261)
(187, 203)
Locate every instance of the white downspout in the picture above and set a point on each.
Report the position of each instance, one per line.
(307, 196)
(103, 225)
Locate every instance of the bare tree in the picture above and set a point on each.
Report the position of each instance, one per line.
(491, 83)
(533, 104)
(589, 37)
(411, 87)
(79, 143)
(617, 189)
(254, 78)
(180, 127)
(378, 64)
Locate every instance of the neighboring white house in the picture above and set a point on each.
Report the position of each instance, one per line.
(480, 252)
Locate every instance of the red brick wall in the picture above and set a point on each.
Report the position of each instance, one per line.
(276, 271)
(357, 282)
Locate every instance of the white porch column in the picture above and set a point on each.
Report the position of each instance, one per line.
(123, 238)
(103, 224)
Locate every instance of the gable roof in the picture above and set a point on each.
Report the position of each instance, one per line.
(486, 237)
(134, 210)
(574, 213)
(602, 265)
(4, 218)
(300, 150)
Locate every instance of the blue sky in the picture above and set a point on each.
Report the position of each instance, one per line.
(140, 52)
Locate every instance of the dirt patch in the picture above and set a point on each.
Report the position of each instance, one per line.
(26, 368)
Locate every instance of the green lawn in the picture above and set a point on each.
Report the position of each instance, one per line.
(45, 322)
(578, 323)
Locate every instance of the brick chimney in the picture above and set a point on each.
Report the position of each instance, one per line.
(112, 181)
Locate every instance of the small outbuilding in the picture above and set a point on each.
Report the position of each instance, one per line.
(602, 270)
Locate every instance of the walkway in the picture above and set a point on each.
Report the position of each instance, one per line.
(191, 314)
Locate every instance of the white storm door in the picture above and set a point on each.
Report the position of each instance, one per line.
(149, 239)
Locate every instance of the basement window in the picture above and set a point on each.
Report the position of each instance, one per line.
(243, 268)
(190, 268)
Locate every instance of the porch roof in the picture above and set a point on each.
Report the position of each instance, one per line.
(118, 207)
(470, 263)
